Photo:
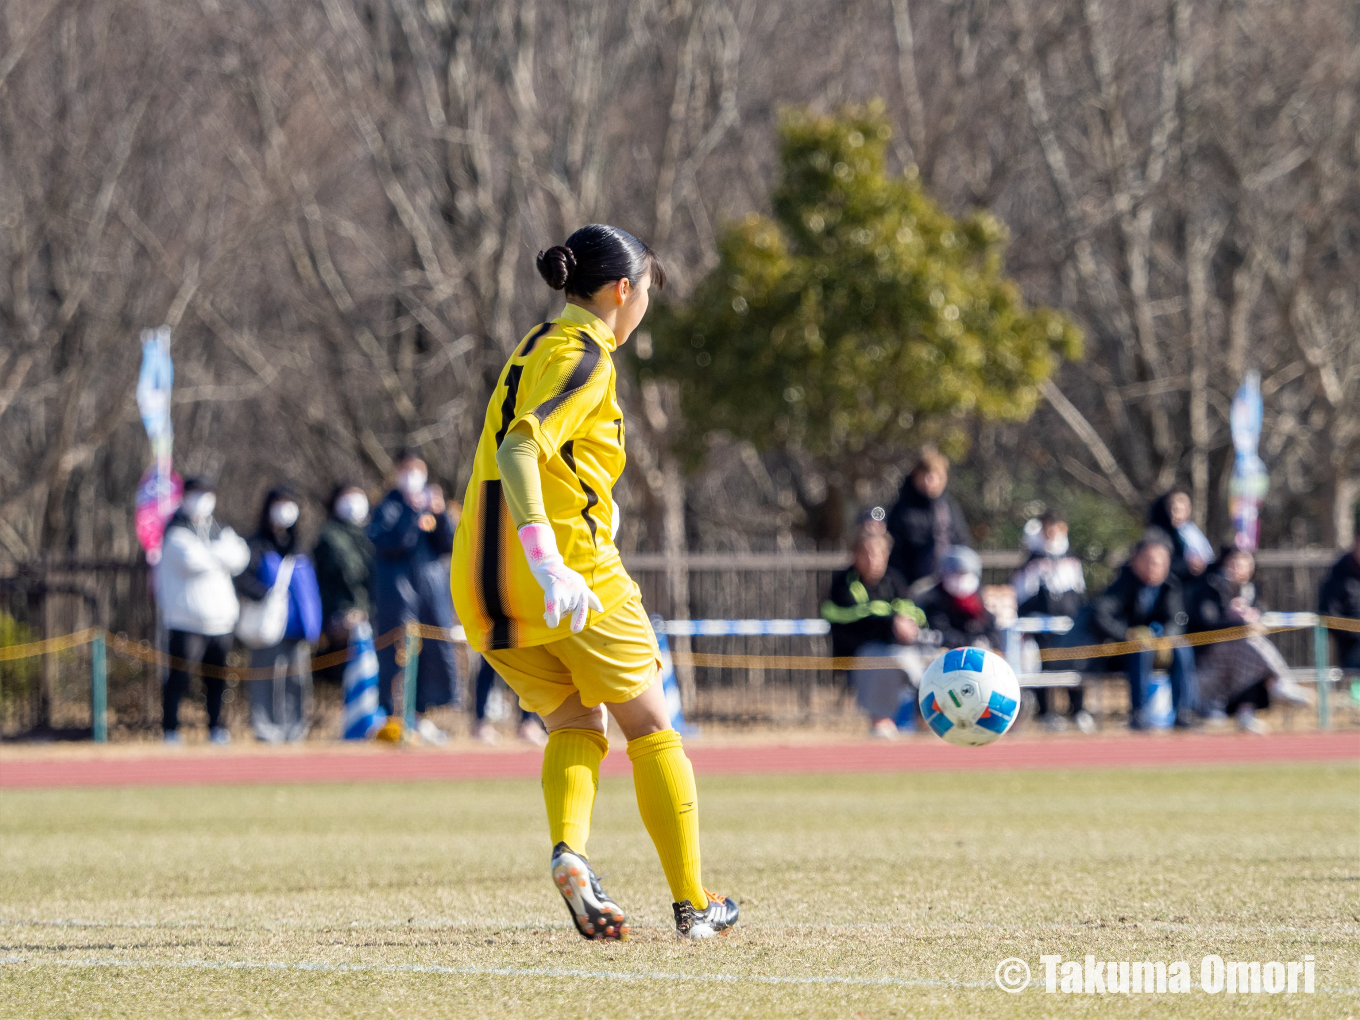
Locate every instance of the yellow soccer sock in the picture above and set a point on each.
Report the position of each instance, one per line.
(571, 774)
(669, 805)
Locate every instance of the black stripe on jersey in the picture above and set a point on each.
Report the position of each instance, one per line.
(491, 565)
(591, 498)
(531, 341)
(580, 375)
(508, 404)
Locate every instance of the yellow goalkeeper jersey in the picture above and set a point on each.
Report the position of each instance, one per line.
(560, 382)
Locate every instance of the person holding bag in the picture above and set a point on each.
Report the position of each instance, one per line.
(280, 706)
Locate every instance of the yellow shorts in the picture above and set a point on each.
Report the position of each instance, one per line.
(613, 660)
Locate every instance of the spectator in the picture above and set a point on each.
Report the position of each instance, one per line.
(953, 605)
(198, 603)
(872, 618)
(530, 728)
(1237, 677)
(1191, 552)
(344, 566)
(1146, 601)
(1052, 583)
(925, 521)
(1340, 596)
(280, 707)
(413, 534)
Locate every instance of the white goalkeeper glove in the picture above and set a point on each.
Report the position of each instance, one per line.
(565, 592)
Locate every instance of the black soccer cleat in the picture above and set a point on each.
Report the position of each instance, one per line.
(715, 919)
(596, 916)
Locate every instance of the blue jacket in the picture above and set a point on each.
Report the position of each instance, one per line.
(411, 582)
(304, 596)
(410, 578)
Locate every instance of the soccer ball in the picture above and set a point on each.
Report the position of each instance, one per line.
(969, 696)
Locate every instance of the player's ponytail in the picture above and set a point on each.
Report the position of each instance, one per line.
(555, 265)
(596, 256)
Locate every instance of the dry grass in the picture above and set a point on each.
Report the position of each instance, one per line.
(862, 896)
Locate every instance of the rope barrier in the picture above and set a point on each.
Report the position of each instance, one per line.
(425, 632)
(60, 643)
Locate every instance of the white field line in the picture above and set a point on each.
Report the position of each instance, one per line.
(1210, 929)
(533, 972)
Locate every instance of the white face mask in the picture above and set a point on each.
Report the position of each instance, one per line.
(960, 585)
(411, 482)
(352, 507)
(198, 506)
(1057, 547)
(283, 515)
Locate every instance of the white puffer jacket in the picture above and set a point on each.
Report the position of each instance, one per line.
(194, 577)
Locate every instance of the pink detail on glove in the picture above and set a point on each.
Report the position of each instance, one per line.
(565, 592)
(539, 543)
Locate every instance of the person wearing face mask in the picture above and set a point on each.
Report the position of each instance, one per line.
(953, 605)
(1052, 583)
(1236, 678)
(344, 565)
(280, 706)
(925, 521)
(198, 603)
(412, 535)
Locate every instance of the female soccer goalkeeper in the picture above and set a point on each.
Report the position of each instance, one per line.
(542, 592)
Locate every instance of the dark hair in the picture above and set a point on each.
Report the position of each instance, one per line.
(594, 257)
(1051, 517)
(200, 483)
(408, 453)
(1159, 514)
(1153, 537)
(278, 494)
(930, 459)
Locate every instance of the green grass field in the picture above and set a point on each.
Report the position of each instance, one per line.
(873, 896)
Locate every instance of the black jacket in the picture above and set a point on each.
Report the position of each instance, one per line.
(344, 567)
(912, 523)
(959, 623)
(1208, 602)
(1159, 516)
(1115, 610)
(1034, 582)
(860, 613)
(1340, 596)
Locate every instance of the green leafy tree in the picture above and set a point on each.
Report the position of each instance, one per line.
(861, 319)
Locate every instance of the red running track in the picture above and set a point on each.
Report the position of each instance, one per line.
(338, 764)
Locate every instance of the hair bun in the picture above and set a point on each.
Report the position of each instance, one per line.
(556, 265)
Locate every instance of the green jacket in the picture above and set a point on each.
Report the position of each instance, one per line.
(860, 613)
(344, 568)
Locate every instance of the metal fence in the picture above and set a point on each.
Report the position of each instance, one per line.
(52, 694)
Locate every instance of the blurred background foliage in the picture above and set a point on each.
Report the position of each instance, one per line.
(860, 320)
(336, 206)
